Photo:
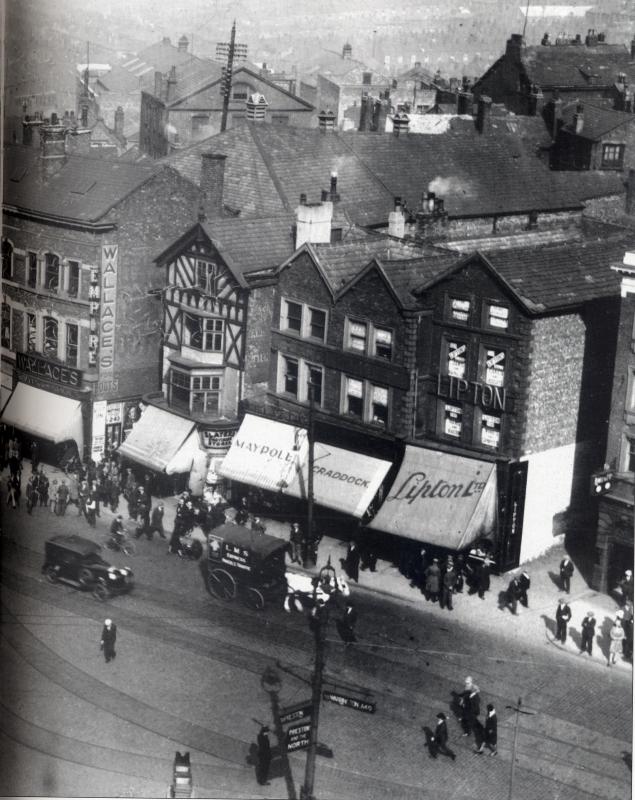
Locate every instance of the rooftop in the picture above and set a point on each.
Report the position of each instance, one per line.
(597, 120)
(571, 66)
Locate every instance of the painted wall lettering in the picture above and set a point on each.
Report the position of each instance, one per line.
(109, 263)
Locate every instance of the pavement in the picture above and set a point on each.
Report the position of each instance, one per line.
(534, 624)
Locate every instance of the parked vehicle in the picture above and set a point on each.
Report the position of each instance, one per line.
(76, 561)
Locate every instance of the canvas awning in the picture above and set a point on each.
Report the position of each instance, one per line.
(440, 498)
(45, 414)
(275, 456)
(156, 439)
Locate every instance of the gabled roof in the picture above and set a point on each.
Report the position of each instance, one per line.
(571, 66)
(82, 188)
(344, 70)
(598, 121)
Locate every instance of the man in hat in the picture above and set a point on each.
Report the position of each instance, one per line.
(588, 633)
(490, 732)
(295, 542)
(483, 578)
(626, 584)
(563, 615)
(438, 742)
(156, 521)
(566, 571)
(470, 703)
(108, 639)
(264, 756)
(448, 584)
(524, 582)
(433, 581)
(513, 594)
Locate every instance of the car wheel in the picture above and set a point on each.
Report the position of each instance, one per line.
(85, 577)
(51, 574)
(100, 592)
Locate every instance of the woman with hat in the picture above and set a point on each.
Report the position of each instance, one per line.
(616, 636)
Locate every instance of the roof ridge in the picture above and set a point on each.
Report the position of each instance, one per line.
(269, 166)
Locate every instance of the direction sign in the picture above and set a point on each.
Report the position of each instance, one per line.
(298, 737)
(349, 702)
(295, 712)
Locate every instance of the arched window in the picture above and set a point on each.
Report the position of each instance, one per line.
(52, 272)
(7, 259)
(50, 338)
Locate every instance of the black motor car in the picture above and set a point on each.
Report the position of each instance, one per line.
(76, 561)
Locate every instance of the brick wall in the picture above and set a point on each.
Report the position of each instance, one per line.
(152, 120)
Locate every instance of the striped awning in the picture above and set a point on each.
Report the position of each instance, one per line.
(157, 438)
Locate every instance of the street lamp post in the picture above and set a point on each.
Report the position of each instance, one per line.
(311, 442)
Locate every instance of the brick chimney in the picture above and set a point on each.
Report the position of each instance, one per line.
(400, 123)
(256, 107)
(212, 180)
(536, 101)
(483, 112)
(78, 141)
(52, 141)
(630, 193)
(171, 86)
(514, 47)
(119, 118)
(578, 118)
(313, 221)
(31, 132)
(591, 38)
(183, 44)
(333, 193)
(347, 51)
(326, 121)
(397, 221)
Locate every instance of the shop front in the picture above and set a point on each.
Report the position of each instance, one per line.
(441, 499)
(274, 457)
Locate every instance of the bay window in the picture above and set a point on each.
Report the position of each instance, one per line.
(196, 394)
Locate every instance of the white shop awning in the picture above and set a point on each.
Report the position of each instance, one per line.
(440, 498)
(275, 456)
(156, 439)
(45, 414)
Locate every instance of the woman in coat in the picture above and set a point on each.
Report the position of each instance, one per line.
(433, 581)
(616, 635)
(490, 731)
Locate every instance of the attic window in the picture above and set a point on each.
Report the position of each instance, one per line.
(367, 78)
(336, 234)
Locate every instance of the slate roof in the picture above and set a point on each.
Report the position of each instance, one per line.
(574, 66)
(82, 188)
(253, 244)
(405, 276)
(597, 120)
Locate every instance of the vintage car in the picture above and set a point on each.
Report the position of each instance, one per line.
(76, 561)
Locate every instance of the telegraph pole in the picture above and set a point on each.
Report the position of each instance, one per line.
(311, 441)
(519, 710)
(227, 78)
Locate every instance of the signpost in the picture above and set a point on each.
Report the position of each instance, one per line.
(296, 712)
(601, 482)
(298, 738)
(349, 702)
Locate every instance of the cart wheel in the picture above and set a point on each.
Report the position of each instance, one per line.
(129, 548)
(100, 592)
(85, 577)
(254, 599)
(221, 584)
(51, 574)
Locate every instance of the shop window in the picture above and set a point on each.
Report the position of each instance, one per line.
(452, 420)
(6, 326)
(73, 278)
(490, 430)
(613, 156)
(203, 333)
(495, 367)
(305, 320)
(382, 343)
(51, 272)
(497, 316)
(7, 260)
(50, 338)
(459, 309)
(31, 277)
(72, 344)
(208, 275)
(31, 332)
(455, 361)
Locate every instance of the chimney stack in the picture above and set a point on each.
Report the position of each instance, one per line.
(158, 85)
(578, 118)
(212, 180)
(326, 121)
(78, 142)
(536, 101)
(400, 123)
(166, 40)
(630, 193)
(313, 221)
(333, 194)
(31, 132)
(183, 44)
(52, 141)
(347, 51)
(514, 47)
(483, 113)
(119, 118)
(397, 221)
(591, 38)
(545, 40)
(171, 87)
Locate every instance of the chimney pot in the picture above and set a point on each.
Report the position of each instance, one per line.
(325, 196)
(430, 201)
(303, 199)
(483, 113)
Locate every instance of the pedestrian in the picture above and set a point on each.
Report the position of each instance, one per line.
(483, 578)
(616, 636)
(43, 487)
(448, 584)
(459, 569)
(82, 497)
(91, 509)
(588, 633)
(563, 615)
(470, 703)
(156, 521)
(113, 493)
(514, 592)
(295, 542)
(626, 585)
(13, 491)
(35, 456)
(62, 499)
(73, 491)
(438, 742)
(367, 553)
(627, 624)
(143, 503)
(346, 624)
(566, 572)
(351, 562)
(31, 493)
(108, 639)
(490, 732)
(524, 581)
(433, 581)
(264, 757)
(52, 495)
(257, 526)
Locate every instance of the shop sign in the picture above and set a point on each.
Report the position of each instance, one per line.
(49, 370)
(106, 343)
(349, 702)
(479, 394)
(227, 553)
(114, 413)
(99, 430)
(298, 737)
(219, 439)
